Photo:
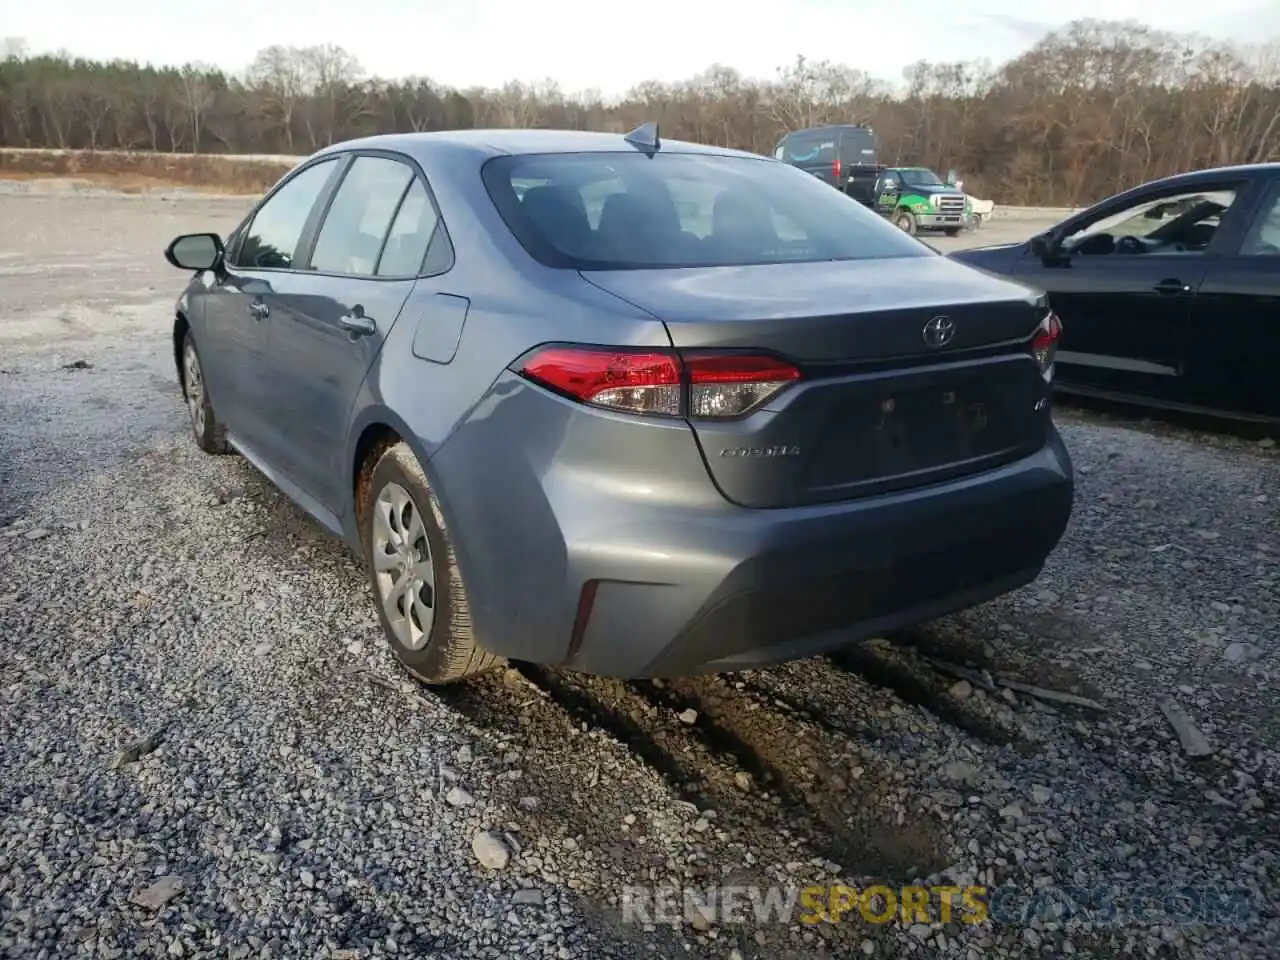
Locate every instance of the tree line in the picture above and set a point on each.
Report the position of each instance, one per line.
(1092, 108)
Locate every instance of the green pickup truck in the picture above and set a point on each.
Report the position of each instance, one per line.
(916, 198)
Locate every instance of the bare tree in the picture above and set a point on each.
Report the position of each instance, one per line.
(1092, 108)
(197, 98)
(280, 78)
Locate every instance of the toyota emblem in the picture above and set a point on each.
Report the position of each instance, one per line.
(939, 331)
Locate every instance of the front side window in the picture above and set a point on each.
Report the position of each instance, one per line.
(605, 211)
(271, 239)
(350, 240)
(1177, 223)
(1263, 238)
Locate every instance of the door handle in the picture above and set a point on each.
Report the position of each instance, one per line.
(259, 310)
(1172, 286)
(357, 324)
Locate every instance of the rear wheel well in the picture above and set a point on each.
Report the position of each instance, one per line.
(180, 328)
(376, 440)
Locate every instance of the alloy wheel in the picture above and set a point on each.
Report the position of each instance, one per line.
(404, 573)
(195, 387)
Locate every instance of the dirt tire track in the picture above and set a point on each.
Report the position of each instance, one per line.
(885, 666)
(812, 772)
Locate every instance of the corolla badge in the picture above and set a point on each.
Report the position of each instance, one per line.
(939, 331)
(778, 450)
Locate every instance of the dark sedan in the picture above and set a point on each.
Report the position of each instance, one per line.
(1169, 293)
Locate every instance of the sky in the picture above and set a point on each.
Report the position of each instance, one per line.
(592, 45)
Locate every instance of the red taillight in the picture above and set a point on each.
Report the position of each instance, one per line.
(636, 381)
(658, 382)
(835, 168)
(1044, 345)
(725, 385)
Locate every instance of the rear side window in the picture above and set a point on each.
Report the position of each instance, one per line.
(271, 240)
(1263, 239)
(811, 147)
(609, 211)
(410, 235)
(350, 240)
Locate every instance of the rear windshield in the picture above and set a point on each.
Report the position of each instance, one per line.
(612, 211)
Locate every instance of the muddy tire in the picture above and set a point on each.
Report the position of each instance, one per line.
(905, 221)
(210, 433)
(414, 575)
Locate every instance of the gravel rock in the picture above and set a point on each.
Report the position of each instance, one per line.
(1241, 652)
(490, 849)
(159, 893)
(457, 797)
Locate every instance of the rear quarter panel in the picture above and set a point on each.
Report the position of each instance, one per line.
(514, 304)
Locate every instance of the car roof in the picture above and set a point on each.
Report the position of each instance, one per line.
(1195, 177)
(493, 143)
(828, 128)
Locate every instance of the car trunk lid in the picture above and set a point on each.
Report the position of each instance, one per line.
(891, 397)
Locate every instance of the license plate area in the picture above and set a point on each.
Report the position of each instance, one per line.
(895, 432)
(917, 429)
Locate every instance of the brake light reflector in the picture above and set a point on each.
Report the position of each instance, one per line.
(1044, 345)
(835, 168)
(658, 382)
(634, 381)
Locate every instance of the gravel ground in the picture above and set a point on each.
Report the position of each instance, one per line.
(206, 750)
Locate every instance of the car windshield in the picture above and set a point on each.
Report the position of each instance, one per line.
(609, 211)
(921, 178)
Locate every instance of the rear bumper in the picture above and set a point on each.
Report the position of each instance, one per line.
(793, 583)
(679, 581)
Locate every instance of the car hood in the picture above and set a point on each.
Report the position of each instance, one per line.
(926, 190)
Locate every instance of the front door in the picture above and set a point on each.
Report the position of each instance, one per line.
(1124, 285)
(335, 315)
(239, 310)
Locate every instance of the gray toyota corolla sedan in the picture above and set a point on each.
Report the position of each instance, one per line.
(629, 406)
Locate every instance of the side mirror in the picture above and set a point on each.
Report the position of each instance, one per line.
(195, 251)
(1045, 246)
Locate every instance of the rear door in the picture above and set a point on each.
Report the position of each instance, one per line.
(1234, 342)
(1124, 298)
(858, 148)
(363, 261)
(238, 303)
